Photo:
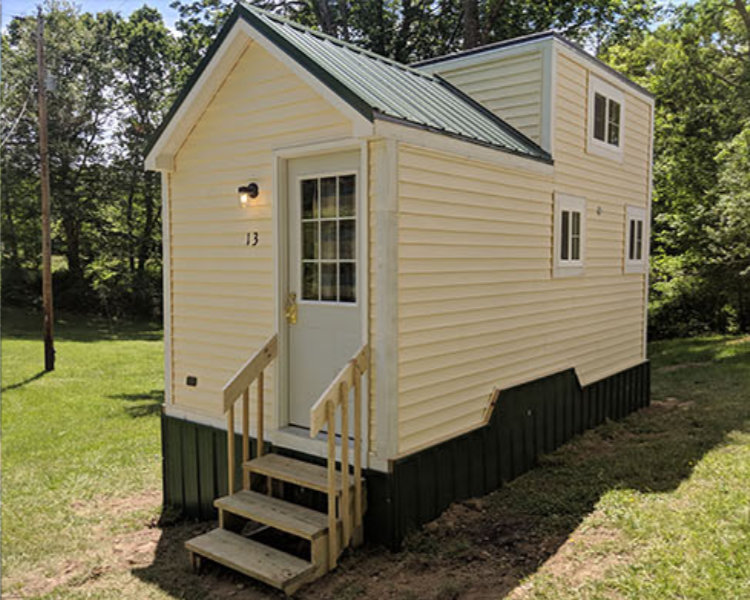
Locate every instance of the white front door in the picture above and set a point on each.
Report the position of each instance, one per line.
(324, 229)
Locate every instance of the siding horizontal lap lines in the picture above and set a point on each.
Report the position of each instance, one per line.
(268, 129)
(521, 343)
(510, 87)
(419, 373)
(461, 304)
(223, 306)
(441, 317)
(481, 220)
(478, 306)
(524, 291)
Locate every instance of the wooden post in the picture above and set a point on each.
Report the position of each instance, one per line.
(245, 438)
(260, 414)
(333, 534)
(230, 449)
(346, 510)
(357, 447)
(49, 344)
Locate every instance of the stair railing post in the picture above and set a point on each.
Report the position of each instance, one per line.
(357, 446)
(333, 535)
(346, 511)
(260, 414)
(230, 449)
(245, 437)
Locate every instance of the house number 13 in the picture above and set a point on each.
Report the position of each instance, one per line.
(252, 238)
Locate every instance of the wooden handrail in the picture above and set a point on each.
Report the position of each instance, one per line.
(323, 412)
(239, 385)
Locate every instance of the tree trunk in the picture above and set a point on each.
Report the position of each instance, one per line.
(471, 23)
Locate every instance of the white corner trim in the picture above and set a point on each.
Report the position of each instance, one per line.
(549, 87)
(649, 170)
(166, 237)
(384, 201)
(445, 144)
(562, 268)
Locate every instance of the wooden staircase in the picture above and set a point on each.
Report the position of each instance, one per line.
(265, 534)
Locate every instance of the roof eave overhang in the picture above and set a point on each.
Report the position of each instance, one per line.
(424, 136)
(241, 28)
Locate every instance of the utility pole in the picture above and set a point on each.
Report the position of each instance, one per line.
(49, 344)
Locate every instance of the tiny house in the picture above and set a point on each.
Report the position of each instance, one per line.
(394, 286)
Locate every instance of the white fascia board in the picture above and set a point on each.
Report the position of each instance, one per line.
(442, 143)
(161, 156)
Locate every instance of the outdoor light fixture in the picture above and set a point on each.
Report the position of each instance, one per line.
(247, 192)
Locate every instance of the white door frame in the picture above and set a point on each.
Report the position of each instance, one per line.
(281, 156)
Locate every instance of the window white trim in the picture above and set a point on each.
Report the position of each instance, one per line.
(574, 263)
(635, 258)
(593, 145)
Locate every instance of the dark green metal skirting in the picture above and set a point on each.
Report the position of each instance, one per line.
(528, 420)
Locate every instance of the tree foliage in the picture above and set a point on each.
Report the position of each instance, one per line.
(116, 76)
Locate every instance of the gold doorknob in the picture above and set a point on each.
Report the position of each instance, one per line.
(291, 308)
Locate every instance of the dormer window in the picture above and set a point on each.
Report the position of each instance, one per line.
(605, 119)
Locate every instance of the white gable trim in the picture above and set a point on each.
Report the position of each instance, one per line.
(242, 34)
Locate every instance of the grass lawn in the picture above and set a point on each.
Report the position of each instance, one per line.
(75, 441)
(654, 506)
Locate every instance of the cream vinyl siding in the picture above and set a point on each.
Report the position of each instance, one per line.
(478, 306)
(222, 289)
(510, 86)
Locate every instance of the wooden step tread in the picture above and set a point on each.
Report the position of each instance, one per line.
(261, 562)
(292, 518)
(294, 471)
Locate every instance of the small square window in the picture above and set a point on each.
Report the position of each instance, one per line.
(606, 126)
(569, 235)
(636, 254)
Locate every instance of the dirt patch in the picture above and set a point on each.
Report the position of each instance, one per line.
(105, 553)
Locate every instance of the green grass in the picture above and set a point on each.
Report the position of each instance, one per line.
(670, 486)
(75, 437)
(655, 506)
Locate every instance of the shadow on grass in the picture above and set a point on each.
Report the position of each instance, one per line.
(485, 547)
(145, 404)
(19, 384)
(20, 324)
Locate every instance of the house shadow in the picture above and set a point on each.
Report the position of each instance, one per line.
(484, 547)
(143, 404)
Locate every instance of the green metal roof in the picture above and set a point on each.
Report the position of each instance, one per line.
(379, 88)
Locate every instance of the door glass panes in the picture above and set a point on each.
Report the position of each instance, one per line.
(328, 197)
(329, 239)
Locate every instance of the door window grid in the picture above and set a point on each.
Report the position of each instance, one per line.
(328, 228)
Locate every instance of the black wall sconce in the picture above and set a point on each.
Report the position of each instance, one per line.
(248, 192)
